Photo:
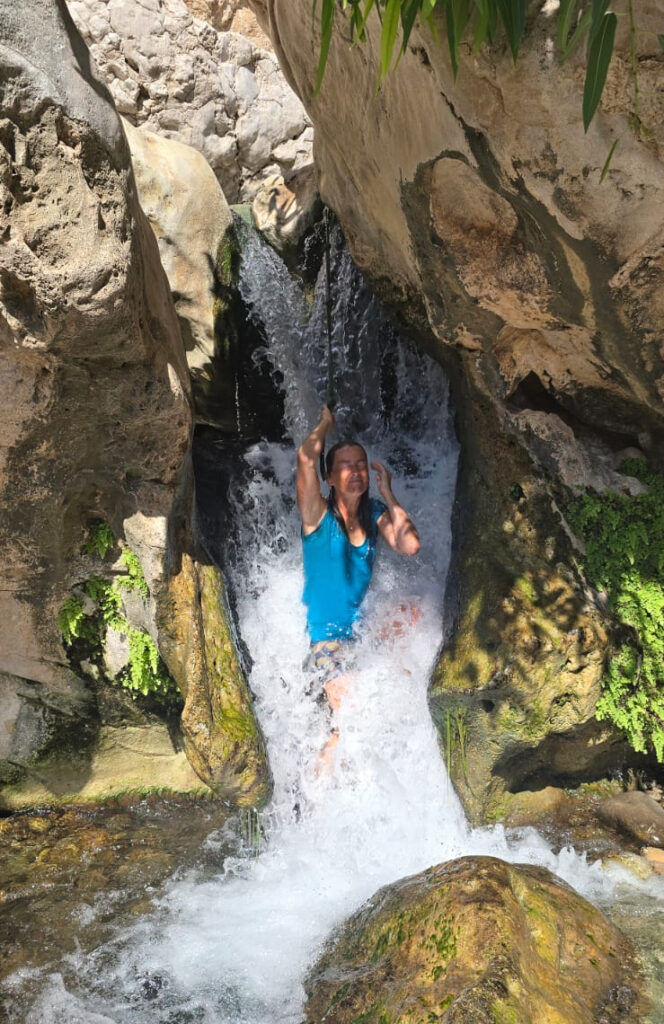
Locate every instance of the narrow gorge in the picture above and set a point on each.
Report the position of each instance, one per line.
(185, 215)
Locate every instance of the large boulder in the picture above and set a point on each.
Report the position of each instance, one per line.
(177, 76)
(193, 225)
(474, 205)
(471, 941)
(96, 415)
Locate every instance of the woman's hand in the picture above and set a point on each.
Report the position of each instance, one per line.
(383, 480)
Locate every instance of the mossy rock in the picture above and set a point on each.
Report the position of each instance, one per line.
(222, 738)
(515, 691)
(475, 941)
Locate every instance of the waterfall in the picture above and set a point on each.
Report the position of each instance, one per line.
(234, 948)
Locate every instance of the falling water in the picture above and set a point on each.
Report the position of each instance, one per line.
(234, 948)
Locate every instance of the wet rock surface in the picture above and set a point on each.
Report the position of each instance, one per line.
(475, 940)
(70, 878)
(637, 815)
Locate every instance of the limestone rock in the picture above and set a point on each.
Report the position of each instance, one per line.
(189, 215)
(473, 204)
(179, 77)
(284, 209)
(95, 409)
(471, 941)
(136, 760)
(637, 815)
(230, 16)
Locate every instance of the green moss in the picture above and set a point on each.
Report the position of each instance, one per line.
(443, 939)
(238, 724)
(624, 539)
(524, 587)
(228, 260)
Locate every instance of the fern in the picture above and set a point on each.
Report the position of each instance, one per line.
(624, 538)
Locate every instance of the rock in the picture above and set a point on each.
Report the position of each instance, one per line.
(116, 651)
(95, 395)
(193, 226)
(136, 760)
(221, 735)
(471, 941)
(284, 210)
(472, 203)
(637, 815)
(179, 77)
(655, 857)
(230, 16)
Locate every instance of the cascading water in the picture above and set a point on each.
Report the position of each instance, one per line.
(233, 949)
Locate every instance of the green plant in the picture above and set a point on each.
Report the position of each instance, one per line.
(624, 557)
(100, 539)
(70, 620)
(145, 674)
(480, 21)
(134, 578)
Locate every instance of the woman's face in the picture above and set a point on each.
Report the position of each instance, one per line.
(350, 473)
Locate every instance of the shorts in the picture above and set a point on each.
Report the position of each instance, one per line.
(326, 660)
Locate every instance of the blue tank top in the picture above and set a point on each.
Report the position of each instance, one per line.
(337, 575)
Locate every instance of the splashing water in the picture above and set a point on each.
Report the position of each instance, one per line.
(234, 949)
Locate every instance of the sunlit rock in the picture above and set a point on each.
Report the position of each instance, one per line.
(284, 209)
(189, 215)
(471, 941)
(179, 77)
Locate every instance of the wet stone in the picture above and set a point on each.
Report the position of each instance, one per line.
(70, 877)
(637, 815)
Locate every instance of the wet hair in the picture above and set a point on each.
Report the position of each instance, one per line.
(364, 510)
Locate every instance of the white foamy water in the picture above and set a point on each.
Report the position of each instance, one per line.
(234, 949)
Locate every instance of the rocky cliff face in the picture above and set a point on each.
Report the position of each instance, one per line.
(96, 419)
(218, 91)
(475, 205)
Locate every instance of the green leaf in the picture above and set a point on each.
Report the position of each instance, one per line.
(326, 25)
(577, 35)
(598, 11)
(660, 39)
(452, 41)
(457, 14)
(565, 15)
(389, 34)
(599, 58)
(513, 15)
(481, 24)
(365, 14)
(607, 162)
(408, 14)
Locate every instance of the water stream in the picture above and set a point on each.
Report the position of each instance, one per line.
(234, 946)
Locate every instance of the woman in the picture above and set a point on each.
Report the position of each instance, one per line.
(339, 545)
